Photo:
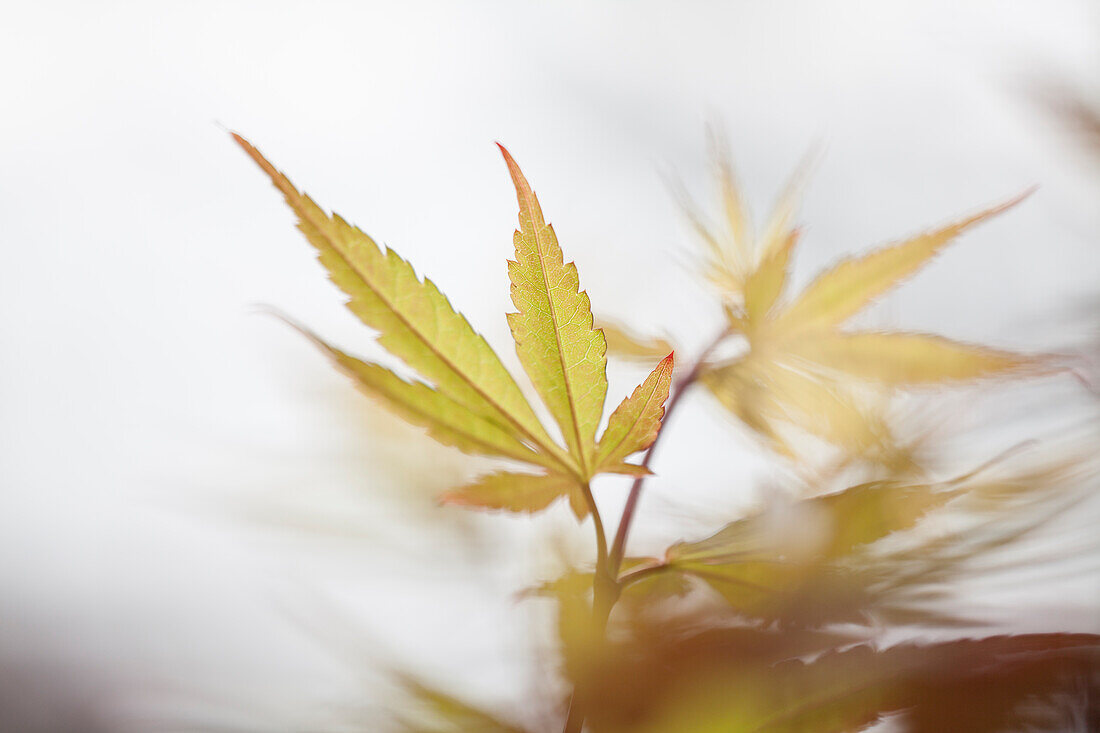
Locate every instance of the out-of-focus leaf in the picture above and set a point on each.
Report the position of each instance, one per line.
(781, 226)
(765, 284)
(742, 391)
(563, 353)
(440, 712)
(763, 394)
(900, 359)
(740, 247)
(800, 370)
(849, 286)
(519, 492)
(622, 342)
(840, 522)
(819, 405)
(748, 267)
(634, 424)
(750, 680)
(414, 320)
(789, 562)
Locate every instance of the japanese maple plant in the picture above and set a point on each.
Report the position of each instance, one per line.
(786, 642)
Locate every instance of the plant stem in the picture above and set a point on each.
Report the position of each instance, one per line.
(601, 536)
(607, 586)
(618, 549)
(636, 575)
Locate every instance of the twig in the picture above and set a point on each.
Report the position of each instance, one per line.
(618, 548)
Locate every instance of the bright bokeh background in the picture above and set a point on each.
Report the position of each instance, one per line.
(203, 524)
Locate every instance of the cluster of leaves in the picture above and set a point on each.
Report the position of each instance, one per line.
(765, 655)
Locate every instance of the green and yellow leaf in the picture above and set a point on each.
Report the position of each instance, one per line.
(447, 421)
(414, 319)
(626, 469)
(637, 420)
(561, 350)
(519, 492)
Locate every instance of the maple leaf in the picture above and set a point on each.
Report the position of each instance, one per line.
(518, 492)
(801, 369)
(624, 343)
(413, 318)
(467, 398)
(736, 254)
(790, 562)
(634, 424)
(842, 291)
(900, 359)
(561, 350)
(792, 681)
(446, 420)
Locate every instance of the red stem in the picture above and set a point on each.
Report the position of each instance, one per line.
(618, 548)
(607, 584)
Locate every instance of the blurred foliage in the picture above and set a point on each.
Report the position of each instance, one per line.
(799, 615)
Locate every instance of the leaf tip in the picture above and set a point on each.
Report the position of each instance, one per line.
(523, 188)
(243, 142)
(1014, 200)
(451, 498)
(512, 165)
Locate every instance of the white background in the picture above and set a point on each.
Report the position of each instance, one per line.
(197, 511)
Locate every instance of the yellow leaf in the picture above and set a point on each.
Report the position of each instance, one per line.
(445, 420)
(740, 248)
(414, 320)
(519, 492)
(743, 393)
(899, 359)
(781, 221)
(820, 406)
(626, 469)
(635, 423)
(563, 353)
(764, 393)
(624, 343)
(764, 286)
(842, 291)
(839, 523)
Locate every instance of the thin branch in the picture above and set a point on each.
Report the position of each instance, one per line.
(606, 586)
(601, 536)
(618, 548)
(642, 573)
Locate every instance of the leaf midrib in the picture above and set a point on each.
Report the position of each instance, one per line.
(634, 425)
(532, 206)
(305, 215)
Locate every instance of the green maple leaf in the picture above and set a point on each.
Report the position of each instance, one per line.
(465, 397)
